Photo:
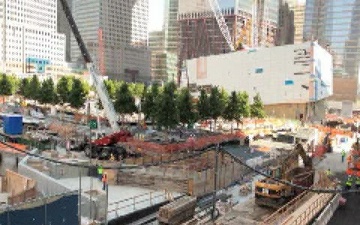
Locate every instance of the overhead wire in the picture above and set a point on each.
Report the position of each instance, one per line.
(189, 156)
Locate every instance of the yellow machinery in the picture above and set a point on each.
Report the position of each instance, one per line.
(274, 194)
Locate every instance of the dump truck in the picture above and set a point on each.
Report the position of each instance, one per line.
(270, 192)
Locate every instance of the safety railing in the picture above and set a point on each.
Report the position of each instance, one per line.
(314, 208)
(282, 213)
(142, 201)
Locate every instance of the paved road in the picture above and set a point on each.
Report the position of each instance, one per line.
(348, 214)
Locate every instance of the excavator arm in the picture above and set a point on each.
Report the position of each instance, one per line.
(98, 82)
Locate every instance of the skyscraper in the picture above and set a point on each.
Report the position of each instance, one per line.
(334, 24)
(115, 33)
(29, 40)
(298, 7)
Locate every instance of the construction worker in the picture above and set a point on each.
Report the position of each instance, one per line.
(348, 183)
(100, 172)
(328, 172)
(104, 180)
(357, 183)
(343, 154)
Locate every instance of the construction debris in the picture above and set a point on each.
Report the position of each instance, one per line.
(177, 211)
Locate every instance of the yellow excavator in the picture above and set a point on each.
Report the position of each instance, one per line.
(274, 194)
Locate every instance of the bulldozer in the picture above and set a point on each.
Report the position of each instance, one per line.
(269, 192)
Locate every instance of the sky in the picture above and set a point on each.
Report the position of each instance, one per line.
(156, 14)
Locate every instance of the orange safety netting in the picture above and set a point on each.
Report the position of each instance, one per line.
(333, 131)
(190, 145)
(5, 148)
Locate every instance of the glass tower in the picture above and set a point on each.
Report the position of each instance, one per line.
(334, 24)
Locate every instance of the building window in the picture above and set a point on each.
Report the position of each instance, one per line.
(259, 70)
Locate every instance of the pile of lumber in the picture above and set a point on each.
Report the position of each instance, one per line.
(178, 211)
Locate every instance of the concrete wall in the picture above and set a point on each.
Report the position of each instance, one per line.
(16, 183)
(344, 89)
(288, 111)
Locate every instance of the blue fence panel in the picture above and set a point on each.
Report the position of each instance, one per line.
(59, 212)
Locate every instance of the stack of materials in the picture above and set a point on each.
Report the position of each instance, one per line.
(178, 211)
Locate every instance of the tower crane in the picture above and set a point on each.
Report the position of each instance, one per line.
(107, 144)
(98, 82)
(214, 4)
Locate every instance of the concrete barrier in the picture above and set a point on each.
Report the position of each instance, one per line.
(328, 212)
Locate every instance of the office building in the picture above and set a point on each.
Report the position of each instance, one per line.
(115, 33)
(29, 40)
(298, 8)
(334, 23)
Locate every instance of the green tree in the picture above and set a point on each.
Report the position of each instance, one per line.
(167, 109)
(124, 102)
(244, 105)
(48, 94)
(24, 83)
(111, 88)
(78, 94)
(224, 97)
(185, 106)
(5, 86)
(232, 109)
(257, 108)
(216, 104)
(136, 89)
(203, 106)
(34, 88)
(149, 105)
(15, 82)
(63, 89)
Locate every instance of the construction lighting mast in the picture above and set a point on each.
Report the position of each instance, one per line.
(214, 4)
(98, 81)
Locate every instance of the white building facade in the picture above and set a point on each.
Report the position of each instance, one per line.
(29, 41)
(298, 73)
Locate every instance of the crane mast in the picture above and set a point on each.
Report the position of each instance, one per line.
(221, 22)
(98, 81)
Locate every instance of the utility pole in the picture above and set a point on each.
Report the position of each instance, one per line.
(79, 200)
(215, 181)
(106, 204)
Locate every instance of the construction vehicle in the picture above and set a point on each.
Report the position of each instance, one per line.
(270, 192)
(106, 145)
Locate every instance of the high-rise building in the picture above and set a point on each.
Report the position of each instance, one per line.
(334, 24)
(171, 25)
(250, 23)
(29, 40)
(63, 27)
(298, 7)
(115, 33)
(163, 62)
(286, 30)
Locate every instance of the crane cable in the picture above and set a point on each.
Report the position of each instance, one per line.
(235, 158)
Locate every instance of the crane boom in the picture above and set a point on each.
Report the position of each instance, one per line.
(221, 22)
(98, 82)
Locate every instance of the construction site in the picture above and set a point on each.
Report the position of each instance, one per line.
(266, 171)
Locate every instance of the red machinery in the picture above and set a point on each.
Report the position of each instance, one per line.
(354, 160)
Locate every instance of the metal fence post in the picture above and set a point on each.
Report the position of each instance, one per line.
(45, 207)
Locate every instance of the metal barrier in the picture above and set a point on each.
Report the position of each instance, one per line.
(313, 209)
(282, 213)
(132, 204)
(328, 212)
